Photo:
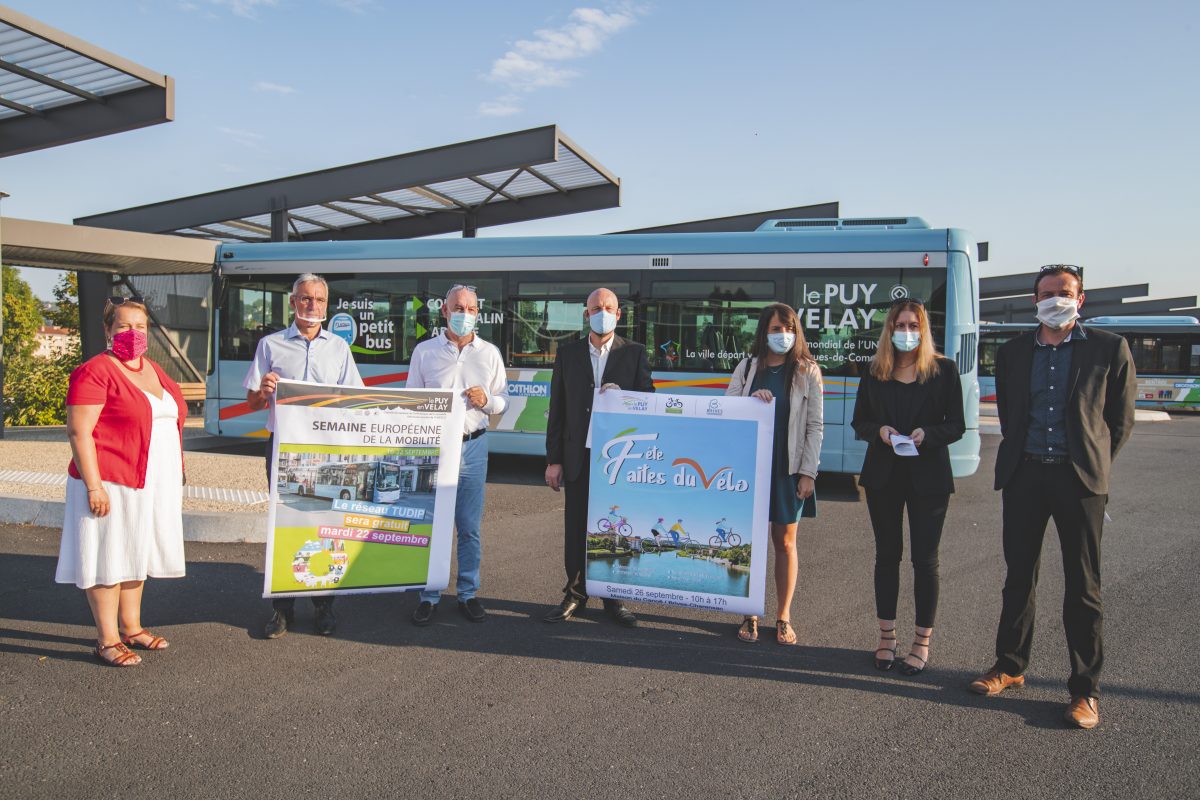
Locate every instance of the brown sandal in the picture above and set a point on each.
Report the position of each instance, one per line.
(155, 643)
(748, 632)
(124, 657)
(785, 633)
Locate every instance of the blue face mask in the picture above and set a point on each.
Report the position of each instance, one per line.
(906, 341)
(780, 342)
(462, 323)
(603, 322)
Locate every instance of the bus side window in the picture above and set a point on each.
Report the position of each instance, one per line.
(703, 325)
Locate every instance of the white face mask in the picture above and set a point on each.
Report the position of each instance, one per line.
(310, 320)
(906, 341)
(602, 322)
(780, 342)
(1057, 312)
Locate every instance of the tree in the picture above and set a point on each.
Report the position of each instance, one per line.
(35, 389)
(65, 313)
(22, 318)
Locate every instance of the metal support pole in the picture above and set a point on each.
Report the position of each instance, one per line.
(2, 363)
(470, 225)
(279, 219)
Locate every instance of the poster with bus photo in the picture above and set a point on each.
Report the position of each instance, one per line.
(678, 500)
(362, 490)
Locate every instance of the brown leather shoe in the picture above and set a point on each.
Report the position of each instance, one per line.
(993, 682)
(1083, 712)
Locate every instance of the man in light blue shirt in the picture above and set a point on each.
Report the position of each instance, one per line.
(459, 360)
(305, 351)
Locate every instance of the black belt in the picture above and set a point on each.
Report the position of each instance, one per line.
(1044, 459)
(474, 434)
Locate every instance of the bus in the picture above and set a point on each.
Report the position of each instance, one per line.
(297, 479)
(375, 481)
(692, 299)
(1166, 354)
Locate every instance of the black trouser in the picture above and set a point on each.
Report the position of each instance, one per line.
(926, 514)
(1035, 494)
(287, 604)
(575, 533)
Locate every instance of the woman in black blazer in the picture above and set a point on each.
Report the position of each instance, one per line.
(909, 390)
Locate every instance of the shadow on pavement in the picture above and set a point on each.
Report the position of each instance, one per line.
(229, 593)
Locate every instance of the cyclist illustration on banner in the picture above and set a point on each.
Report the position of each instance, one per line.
(655, 456)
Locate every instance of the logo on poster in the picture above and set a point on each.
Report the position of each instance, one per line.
(344, 327)
(635, 403)
(674, 405)
(714, 408)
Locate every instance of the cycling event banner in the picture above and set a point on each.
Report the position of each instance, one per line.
(678, 499)
(363, 484)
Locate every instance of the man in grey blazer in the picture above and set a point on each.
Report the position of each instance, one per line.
(604, 360)
(1065, 396)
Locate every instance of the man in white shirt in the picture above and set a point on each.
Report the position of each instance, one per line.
(458, 359)
(305, 351)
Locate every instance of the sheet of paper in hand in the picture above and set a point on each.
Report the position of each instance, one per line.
(903, 445)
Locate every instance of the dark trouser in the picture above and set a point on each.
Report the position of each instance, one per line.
(926, 514)
(575, 534)
(1035, 494)
(288, 604)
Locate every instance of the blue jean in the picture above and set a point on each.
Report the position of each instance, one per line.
(468, 510)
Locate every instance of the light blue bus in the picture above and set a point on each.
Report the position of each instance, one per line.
(1166, 355)
(692, 299)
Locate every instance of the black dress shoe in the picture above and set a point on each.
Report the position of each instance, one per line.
(620, 613)
(277, 625)
(324, 620)
(423, 614)
(569, 607)
(472, 609)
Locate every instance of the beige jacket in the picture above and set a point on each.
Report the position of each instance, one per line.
(806, 423)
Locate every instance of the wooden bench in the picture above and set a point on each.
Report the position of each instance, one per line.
(192, 392)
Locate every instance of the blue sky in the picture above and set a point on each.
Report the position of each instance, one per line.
(1058, 131)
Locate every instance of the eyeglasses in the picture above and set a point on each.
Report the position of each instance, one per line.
(899, 301)
(117, 300)
(1071, 268)
(458, 286)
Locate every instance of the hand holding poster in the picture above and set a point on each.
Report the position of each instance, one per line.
(678, 499)
(363, 489)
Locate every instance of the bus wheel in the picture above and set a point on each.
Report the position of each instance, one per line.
(345, 495)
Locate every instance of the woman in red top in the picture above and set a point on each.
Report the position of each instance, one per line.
(124, 506)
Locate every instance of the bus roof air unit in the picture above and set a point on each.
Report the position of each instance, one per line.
(881, 223)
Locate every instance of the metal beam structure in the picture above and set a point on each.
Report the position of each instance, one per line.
(514, 177)
(56, 88)
(29, 243)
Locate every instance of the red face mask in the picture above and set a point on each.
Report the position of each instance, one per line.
(130, 344)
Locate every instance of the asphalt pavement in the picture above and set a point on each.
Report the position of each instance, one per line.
(676, 708)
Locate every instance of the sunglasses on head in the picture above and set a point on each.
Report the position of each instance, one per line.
(899, 301)
(1071, 268)
(117, 300)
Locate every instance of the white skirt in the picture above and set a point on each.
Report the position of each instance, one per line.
(142, 536)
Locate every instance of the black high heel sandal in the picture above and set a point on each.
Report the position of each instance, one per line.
(907, 668)
(885, 664)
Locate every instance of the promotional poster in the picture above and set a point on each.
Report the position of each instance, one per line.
(362, 490)
(678, 500)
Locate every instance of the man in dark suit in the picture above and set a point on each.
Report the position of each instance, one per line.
(603, 360)
(1065, 395)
